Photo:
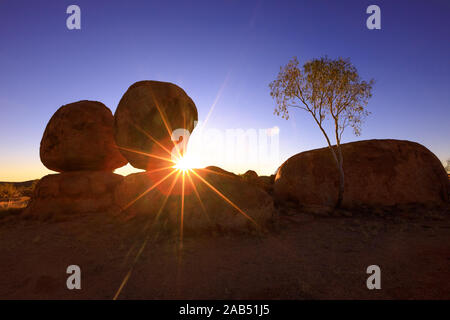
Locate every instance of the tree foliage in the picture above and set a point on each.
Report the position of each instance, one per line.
(329, 90)
(325, 88)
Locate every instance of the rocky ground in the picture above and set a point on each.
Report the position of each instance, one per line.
(302, 256)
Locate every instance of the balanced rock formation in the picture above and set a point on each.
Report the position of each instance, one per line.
(145, 119)
(79, 136)
(74, 192)
(213, 200)
(377, 173)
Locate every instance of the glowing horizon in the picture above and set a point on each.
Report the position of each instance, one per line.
(232, 51)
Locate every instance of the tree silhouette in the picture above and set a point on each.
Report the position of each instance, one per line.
(328, 90)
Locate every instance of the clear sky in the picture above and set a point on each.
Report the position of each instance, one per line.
(223, 51)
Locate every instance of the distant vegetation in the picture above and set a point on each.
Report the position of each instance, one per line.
(10, 190)
(14, 196)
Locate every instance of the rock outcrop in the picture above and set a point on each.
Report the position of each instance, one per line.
(74, 192)
(265, 182)
(145, 119)
(78, 142)
(377, 173)
(212, 200)
(250, 175)
(79, 136)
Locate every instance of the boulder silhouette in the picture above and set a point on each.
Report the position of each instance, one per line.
(250, 175)
(145, 118)
(79, 136)
(226, 202)
(218, 170)
(74, 192)
(377, 173)
(265, 182)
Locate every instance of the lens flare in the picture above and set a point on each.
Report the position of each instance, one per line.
(185, 163)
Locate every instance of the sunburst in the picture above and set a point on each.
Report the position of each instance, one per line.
(185, 163)
(186, 166)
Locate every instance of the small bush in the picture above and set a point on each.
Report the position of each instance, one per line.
(8, 191)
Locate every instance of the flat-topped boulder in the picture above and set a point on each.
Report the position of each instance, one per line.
(73, 193)
(79, 136)
(145, 119)
(212, 200)
(377, 173)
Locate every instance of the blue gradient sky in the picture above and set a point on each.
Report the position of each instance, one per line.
(200, 44)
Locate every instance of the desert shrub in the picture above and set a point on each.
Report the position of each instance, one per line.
(27, 191)
(8, 191)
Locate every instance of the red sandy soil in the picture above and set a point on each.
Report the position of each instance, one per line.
(302, 257)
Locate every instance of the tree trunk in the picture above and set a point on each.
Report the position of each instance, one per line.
(337, 156)
(341, 178)
(341, 186)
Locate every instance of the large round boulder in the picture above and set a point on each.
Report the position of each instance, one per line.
(145, 119)
(76, 192)
(213, 200)
(79, 136)
(377, 173)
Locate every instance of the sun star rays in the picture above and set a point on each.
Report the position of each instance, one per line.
(187, 174)
(148, 190)
(179, 165)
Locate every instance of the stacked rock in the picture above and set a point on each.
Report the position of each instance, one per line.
(85, 143)
(79, 143)
(147, 115)
(145, 119)
(209, 200)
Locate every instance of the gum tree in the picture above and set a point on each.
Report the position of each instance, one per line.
(330, 91)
